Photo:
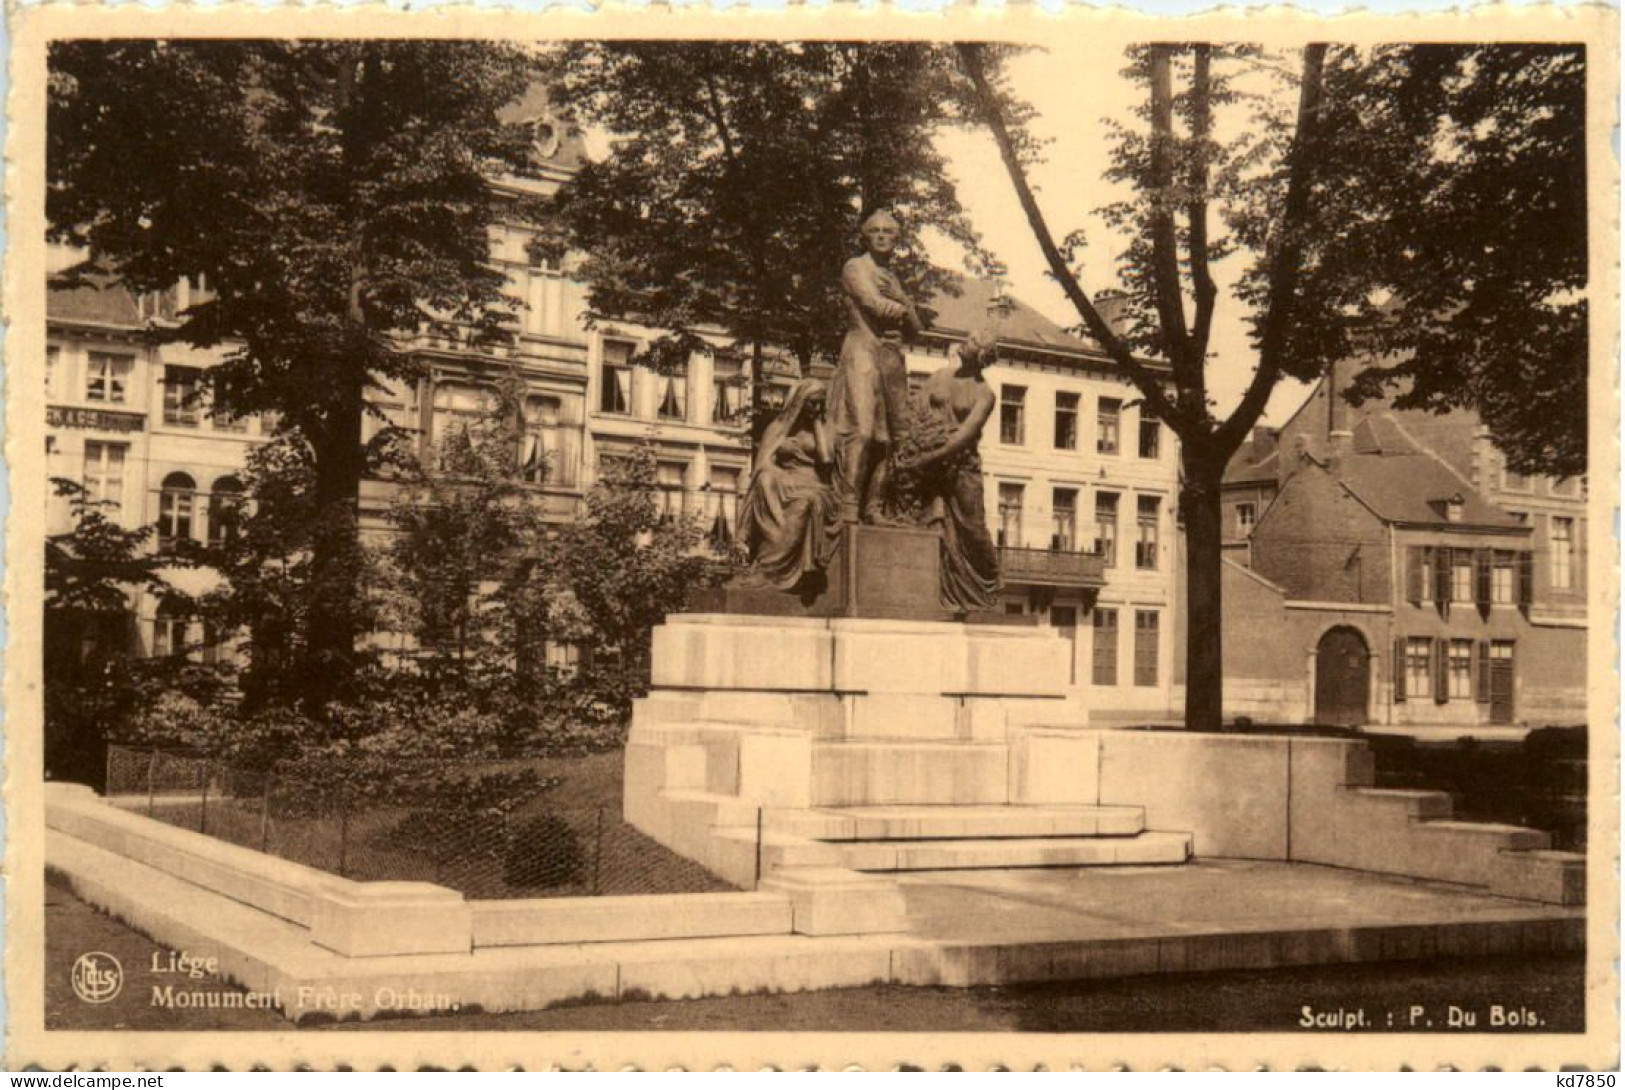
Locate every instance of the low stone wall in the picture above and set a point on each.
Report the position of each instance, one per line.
(1298, 799)
(368, 919)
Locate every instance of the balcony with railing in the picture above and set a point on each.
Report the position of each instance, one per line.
(1055, 567)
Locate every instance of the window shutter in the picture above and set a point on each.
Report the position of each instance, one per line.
(1526, 580)
(1441, 671)
(1399, 669)
(1483, 671)
(1413, 575)
(1481, 569)
(1441, 580)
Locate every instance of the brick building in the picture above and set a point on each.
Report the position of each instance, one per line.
(1382, 568)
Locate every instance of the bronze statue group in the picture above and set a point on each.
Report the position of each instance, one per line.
(866, 450)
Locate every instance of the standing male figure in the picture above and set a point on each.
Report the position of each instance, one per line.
(869, 396)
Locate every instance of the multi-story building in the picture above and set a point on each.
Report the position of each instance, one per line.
(1382, 568)
(1081, 488)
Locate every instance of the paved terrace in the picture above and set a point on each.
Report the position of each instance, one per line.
(965, 928)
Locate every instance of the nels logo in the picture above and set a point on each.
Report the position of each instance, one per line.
(97, 977)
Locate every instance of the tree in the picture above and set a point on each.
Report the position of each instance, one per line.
(1371, 223)
(91, 683)
(1175, 169)
(334, 199)
(624, 567)
(738, 175)
(1457, 250)
(466, 533)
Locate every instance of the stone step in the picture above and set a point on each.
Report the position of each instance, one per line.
(1424, 805)
(896, 855)
(957, 822)
(919, 773)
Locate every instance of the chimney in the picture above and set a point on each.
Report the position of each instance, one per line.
(1339, 436)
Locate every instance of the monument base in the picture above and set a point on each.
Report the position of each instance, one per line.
(880, 572)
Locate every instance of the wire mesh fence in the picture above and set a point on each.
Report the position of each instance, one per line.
(486, 829)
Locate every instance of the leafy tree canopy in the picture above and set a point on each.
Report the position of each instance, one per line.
(739, 172)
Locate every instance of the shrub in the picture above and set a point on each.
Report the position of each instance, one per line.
(542, 853)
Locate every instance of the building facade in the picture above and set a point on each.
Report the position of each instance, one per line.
(1080, 489)
(1073, 469)
(1380, 571)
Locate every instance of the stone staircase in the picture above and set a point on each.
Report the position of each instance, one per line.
(943, 837)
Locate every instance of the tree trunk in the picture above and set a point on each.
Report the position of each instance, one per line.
(334, 622)
(1204, 652)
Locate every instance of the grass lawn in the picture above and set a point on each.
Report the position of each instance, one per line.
(1231, 1002)
(568, 841)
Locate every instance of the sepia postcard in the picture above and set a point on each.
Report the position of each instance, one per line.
(830, 537)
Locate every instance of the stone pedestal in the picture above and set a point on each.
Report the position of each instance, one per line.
(878, 572)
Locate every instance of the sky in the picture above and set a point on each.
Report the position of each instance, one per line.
(1074, 87)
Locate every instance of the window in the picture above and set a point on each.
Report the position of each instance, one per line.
(225, 420)
(104, 472)
(53, 357)
(1105, 655)
(1107, 422)
(615, 378)
(1503, 580)
(549, 454)
(669, 478)
(729, 386)
(1065, 504)
(1010, 501)
(673, 403)
(1425, 592)
(1106, 527)
(722, 514)
(1145, 549)
(1066, 421)
(180, 396)
(1461, 669)
(1013, 415)
(1150, 438)
(1563, 554)
(225, 510)
(1419, 665)
(168, 631)
(1145, 647)
(1461, 575)
(459, 409)
(107, 377)
(177, 502)
(1246, 516)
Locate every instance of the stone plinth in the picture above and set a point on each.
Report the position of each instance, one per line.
(878, 572)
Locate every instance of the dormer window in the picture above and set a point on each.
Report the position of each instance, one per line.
(545, 135)
(1452, 508)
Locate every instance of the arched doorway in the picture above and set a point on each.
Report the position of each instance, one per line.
(1342, 678)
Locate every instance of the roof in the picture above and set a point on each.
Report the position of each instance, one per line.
(1245, 467)
(980, 303)
(99, 302)
(1403, 482)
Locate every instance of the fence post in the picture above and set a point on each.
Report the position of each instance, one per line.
(344, 832)
(265, 814)
(152, 781)
(203, 807)
(597, 848)
(758, 883)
